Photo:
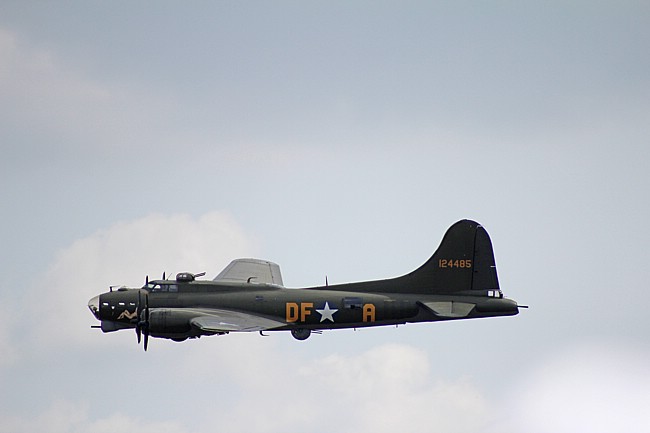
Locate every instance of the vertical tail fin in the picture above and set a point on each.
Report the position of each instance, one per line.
(464, 261)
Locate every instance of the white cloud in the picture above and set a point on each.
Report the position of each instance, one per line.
(385, 389)
(389, 388)
(64, 416)
(123, 254)
(597, 387)
(243, 383)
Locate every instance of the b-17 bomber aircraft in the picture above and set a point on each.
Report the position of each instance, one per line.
(458, 282)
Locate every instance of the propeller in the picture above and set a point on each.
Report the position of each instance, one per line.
(138, 329)
(142, 324)
(146, 322)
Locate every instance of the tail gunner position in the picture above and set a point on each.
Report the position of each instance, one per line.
(458, 282)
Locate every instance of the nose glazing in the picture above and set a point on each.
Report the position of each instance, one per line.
(93, 305)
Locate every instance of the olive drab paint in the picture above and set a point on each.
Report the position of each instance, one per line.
(458, 282)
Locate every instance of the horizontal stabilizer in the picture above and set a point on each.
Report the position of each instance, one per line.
(449, 308)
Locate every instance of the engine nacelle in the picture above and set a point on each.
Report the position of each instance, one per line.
(169, 323)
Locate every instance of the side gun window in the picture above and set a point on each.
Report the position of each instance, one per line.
(352, 303)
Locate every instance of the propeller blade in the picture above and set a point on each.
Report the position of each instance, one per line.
(138, 328)
(146, 322)
(164, 275)
(146, 280)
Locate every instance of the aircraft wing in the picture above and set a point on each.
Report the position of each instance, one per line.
(252, 271)
(213, 320)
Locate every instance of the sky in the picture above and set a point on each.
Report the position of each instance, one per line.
(337, 139)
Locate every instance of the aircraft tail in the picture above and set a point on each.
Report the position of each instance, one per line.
(464, 261)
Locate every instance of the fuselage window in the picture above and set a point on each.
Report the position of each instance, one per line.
(352, 303)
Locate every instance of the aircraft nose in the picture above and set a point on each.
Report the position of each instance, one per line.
(93, 305)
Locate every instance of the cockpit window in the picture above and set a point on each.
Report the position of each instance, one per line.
(162, 287)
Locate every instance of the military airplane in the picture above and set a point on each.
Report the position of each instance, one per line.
(458, 282)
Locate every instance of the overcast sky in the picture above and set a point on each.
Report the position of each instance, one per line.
(338, 139)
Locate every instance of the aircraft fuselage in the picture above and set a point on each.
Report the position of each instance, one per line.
(310, 308)
(458, 282)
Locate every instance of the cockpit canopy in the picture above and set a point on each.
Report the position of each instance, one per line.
(172, 285)
(155, 286)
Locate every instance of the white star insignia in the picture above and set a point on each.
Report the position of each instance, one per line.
(327, 313)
